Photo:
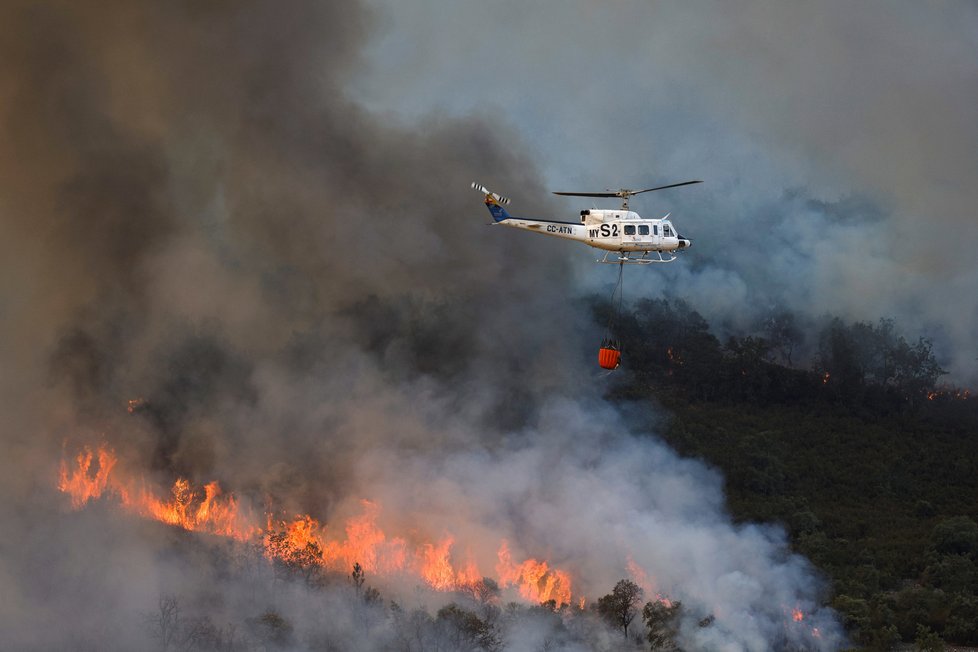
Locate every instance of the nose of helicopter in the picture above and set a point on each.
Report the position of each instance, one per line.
(684, 243)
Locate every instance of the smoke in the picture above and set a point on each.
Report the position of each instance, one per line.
(802, 120)
(303, 302)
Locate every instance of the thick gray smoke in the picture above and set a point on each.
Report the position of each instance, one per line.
(837, 141)
(307, 302)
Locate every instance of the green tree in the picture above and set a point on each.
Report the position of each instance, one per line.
(838, 360)
(927, 640)
(951, 573)
(915, 369)
(779, 328)
(621, 605)
(883, 638)
(962, 623)
(662, 621)
(956, 536)
(465, 630)
(270, 630)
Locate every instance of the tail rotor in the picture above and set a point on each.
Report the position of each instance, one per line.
(499, 199)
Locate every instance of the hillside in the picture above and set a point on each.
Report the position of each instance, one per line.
(870, 466)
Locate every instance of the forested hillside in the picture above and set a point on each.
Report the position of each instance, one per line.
(869, 463)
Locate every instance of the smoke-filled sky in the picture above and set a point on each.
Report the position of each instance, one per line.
(256, 218)
(837, 140)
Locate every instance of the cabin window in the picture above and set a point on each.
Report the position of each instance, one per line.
(666, 231)
(629, 229)
(655, 229)
(643, 229)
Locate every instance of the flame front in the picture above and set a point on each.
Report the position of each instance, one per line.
(86, 483)
(95, 475)
(303, 541)
(214, 512)
(536, 581)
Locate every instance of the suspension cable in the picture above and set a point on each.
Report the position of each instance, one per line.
(615, 315)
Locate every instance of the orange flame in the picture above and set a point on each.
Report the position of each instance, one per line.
(536, 581)
(303, 541)
(436, 567)
(640, 577)
(797, 615)
(211, 512)
(86, 483)
(949, 393)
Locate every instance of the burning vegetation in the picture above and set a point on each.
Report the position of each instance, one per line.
(310, 554)
(304, 542)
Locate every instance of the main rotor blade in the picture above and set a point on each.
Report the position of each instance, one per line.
(589, 194)
(672, 185)
(624, 192)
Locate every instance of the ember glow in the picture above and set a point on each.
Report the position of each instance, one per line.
(949, 393)
(303, 541)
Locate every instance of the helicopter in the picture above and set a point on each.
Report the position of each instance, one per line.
(621, 233)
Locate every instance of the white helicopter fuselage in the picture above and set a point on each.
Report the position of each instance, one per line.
(611, 230)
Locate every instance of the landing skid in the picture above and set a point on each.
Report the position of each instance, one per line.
(622, 258)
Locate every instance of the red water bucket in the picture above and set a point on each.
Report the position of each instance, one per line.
(609, 358)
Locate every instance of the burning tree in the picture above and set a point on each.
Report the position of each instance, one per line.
(305, 560)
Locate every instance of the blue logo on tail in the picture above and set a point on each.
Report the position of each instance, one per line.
(498, 212)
